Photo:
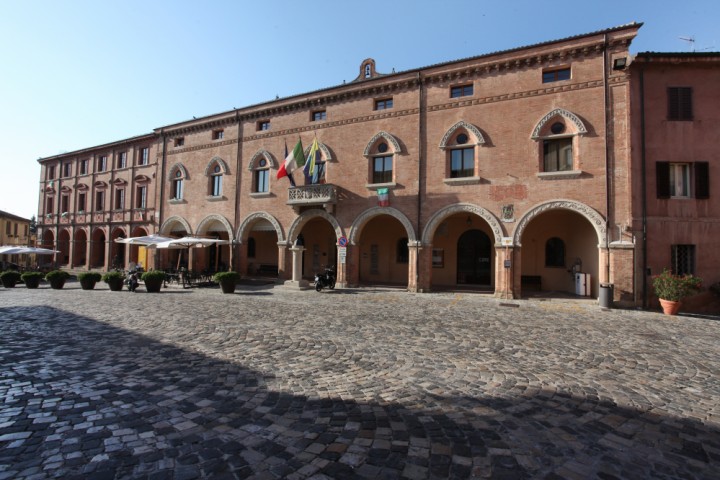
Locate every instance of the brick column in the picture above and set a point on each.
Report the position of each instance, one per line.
(622, 269)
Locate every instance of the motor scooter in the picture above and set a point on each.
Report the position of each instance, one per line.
(326, 279)
(132, 281)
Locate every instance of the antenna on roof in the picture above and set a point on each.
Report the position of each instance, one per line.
(690, 40)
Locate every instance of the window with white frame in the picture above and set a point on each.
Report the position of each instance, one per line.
(177, 186)
(461, 158)
(141, 196)
(262, 176)
(144, 156)
(216, 181)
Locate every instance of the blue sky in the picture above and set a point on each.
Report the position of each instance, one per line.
(76, 74)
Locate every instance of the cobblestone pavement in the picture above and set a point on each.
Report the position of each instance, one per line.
(376, 383)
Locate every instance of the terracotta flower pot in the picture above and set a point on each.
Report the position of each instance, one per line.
(670, 307)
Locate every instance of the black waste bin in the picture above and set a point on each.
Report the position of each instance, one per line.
(606, 295)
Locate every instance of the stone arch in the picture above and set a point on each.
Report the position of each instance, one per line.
(592, 215)
(207, 221)
(387, 137)
(165, 227)
(224, 169)
(442, 214)
(174, 168)
(571, 117)
(272, 163)
(308, 215)
(462, 125)
(252, 218)
(123, 232)
(369, 214)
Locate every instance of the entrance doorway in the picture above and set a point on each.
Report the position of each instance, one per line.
(473, 258)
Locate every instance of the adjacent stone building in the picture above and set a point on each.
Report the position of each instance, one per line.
(511, 172)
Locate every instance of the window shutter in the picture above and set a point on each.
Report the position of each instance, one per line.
(662, 170)
(702, 180)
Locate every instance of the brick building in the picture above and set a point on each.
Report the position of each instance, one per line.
(676, 133)
(508, 172)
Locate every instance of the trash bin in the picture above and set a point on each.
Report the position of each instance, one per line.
(606, 295)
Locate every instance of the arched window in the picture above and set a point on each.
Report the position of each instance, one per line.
(215, 184)
(461, 144)
(557, 132)
(555, 252)
(262, 176)
(381, 152)
(177, 177)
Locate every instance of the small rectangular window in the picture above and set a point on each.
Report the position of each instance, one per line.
(144, 156)
(384, 104)
(51, 172)
(179, 141)
(64, 204)
(83, 167)
(263, 125)
(102, 163)
(67, 169)
(216, 186)
(382, 169)
(8, 228)
(461, 91)
(119, 199)
(319, 115)
(462, 162)
(99, 201)
(682, 259)
(218, 134)
(122, 160)
(262, 181)
(557, 155)
(141, 197)
(680, 180)
(680, 103)
(557, 75)
(49, 205)
(81, 202)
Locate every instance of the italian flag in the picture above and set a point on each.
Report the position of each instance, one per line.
(383, 197)
(293, 160)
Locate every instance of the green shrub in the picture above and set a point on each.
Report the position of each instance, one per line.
(156, 275)
(32, 279)
(226, 277)
(113, 276)
(675, 287)
(89, 276)
(9, 278)
(57, 275)
(31, 275)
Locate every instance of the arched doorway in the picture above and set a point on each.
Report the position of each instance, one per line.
(171, 259)
(556, 244)
(97, 249)
(117, 250)
(64, 247)
(80, 248)
(214, 258)
(261, 249)
(320, 242)
(139, 253)
(384, 255)
(474, 254)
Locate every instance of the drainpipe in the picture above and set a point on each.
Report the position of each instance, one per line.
(238, 171)
(161, 201)
(419, 177)
(608, 172)
(643, 201)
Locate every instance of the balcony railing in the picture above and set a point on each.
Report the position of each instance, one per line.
(324, 196)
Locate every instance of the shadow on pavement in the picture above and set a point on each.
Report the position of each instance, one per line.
(81, 398)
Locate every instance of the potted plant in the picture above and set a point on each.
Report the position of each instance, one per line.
(153, 280)
(32, 279)
(57, 278)
(671, 289)
(10, 278)
(114, 280)
(88, 279)
(227, 280)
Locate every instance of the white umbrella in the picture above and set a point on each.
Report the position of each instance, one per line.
(190, 242)
(20, 250)
(147, 240)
